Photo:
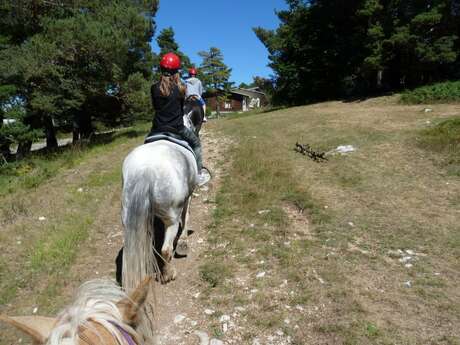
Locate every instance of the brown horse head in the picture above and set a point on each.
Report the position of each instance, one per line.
(101, 314)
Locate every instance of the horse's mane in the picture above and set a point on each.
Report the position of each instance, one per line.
(96, 302)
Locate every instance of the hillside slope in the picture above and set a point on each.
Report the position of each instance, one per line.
(360, 249)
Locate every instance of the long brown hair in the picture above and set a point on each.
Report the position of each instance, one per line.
(167, 83)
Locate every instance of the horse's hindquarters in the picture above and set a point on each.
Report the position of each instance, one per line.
(157, 179)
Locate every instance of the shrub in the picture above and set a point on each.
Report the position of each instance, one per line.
(437, 93)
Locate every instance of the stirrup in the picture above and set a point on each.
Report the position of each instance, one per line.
(203, 177)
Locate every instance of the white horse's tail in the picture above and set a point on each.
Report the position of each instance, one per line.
(138, 254)
(138, 219)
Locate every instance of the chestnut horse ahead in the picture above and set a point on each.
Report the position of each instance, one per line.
(101, 314)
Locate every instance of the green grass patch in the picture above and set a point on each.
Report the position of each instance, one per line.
(58, 249)
(215, 273)
(444, 139)
(437, 93)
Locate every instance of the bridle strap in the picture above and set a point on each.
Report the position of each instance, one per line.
(129, 339)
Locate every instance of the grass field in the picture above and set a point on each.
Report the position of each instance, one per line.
(361, 249)
(49, 206)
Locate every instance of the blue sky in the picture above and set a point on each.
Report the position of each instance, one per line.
(225, 24)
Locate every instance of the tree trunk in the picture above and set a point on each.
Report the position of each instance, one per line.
(82, 127)
(50, 132)
(5, 148)
(4, 143)
(379, 79)
(75, 136)
(23, 149)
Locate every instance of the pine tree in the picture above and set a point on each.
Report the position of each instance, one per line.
(215, 74)
(168, 44)
(72, 59)
(333, 48)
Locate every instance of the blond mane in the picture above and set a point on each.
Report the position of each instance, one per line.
(96, 302)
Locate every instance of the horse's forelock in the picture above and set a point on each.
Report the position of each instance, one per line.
(95, 303)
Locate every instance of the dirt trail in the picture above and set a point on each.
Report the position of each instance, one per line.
(179, 312)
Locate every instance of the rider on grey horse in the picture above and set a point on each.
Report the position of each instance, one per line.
(168, 96)
(195, 89)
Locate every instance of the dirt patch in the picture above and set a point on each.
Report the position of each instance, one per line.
(182, 318)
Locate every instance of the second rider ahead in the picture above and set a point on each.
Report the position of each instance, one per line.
(168, 96)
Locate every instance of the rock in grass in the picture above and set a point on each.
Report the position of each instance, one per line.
(395, 253)
(204, 338)
(179, 318)
(405, 259)
(224, 318)
(260, 275)
(263, 211)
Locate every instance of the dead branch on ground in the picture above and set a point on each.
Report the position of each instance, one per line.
(306, 150)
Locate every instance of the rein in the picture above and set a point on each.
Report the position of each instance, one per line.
(125, 334)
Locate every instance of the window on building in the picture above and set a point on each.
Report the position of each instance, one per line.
(228, 105)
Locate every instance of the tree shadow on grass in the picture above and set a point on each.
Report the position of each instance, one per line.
(95, 140)
(99, 139)
(363, 98)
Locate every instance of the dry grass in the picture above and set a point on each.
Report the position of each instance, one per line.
(38, 256)
(339, 282)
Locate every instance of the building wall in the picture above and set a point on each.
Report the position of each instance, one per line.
(234, 103)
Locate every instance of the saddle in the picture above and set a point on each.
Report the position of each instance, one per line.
(192, 98)
(171, 137)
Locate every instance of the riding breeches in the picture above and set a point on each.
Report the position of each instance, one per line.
(195, 143)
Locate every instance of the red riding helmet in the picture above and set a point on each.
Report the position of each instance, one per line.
(170, 61)
(192, 71)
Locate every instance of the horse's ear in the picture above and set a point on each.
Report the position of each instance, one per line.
(38, 327)
(130, 306)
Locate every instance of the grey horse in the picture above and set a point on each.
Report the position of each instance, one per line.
(158, 180)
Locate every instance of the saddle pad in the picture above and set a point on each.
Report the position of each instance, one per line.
(170, 138)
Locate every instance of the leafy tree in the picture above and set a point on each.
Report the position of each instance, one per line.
(215, 74)
(72, 58)
(266, 85)
(333, 48)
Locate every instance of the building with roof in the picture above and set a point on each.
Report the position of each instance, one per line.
(237, 100)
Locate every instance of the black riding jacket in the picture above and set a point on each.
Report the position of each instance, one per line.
(168, 110)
